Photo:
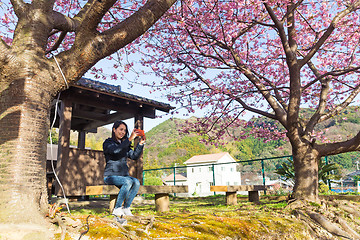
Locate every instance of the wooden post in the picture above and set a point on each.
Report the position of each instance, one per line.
(136, 167)
(162, 202)
(64, 141)
(254, 196)
(231, 198)
(113, 199)
(81, 139)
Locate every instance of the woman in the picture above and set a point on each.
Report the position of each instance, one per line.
(116, 150)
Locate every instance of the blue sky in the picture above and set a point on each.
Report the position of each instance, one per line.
(137, 89)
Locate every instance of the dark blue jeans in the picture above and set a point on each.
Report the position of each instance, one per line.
(129, 186)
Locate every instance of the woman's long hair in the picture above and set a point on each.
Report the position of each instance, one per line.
(116, 125)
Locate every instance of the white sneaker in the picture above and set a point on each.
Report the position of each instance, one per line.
(118, 212)
(127, 212)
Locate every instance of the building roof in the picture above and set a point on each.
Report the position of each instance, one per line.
(354, 173)
(206, 158)
(116, 89)
(178, 177)
(95, 104)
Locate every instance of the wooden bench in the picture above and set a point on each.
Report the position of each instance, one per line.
(161, 194)
(231, 198)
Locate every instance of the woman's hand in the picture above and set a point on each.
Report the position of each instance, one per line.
(138, 133)
(133, 135)
(142, 140)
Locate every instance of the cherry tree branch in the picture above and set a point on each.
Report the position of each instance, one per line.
(64, 23)
(329, 31)
(291, 122)
(91, 14)
(239, 100)
(339, 108)
(96, 46)
(43, 4)
(279, 111)
(20, 7)
(291, 29)
(320, 109)
(290, 56)
(276, 91)
(322, 99)
(334, 73)
(58, 42)
(131, 28)
(350, 145)
(4, 51)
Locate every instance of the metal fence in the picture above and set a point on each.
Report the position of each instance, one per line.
(263, 169)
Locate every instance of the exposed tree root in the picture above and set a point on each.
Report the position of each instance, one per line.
(61, 224)
(312, 227)
(328, 217)
(328, 225)
(347, 228)
(350, 209)
(150, 225)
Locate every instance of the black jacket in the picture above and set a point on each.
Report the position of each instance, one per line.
(116, 155)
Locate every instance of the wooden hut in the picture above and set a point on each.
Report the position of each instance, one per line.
(84, 107)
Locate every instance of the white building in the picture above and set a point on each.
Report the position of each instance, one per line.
(206, 170)
(180, 179)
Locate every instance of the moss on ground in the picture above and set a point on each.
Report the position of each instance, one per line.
(193, 218)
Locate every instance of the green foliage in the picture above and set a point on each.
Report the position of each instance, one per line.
(93, 143)
(346, 160)
(153, 180)
(324, 189)
(184, 149)
(325, 173)
(286, 170)
(54, 136)
(356, 178)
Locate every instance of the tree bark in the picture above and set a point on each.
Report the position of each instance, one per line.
(306, 173)
(24, 123)
(29, 82)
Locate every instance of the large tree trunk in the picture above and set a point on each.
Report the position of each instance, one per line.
(25, 97)
(29, 81)
(306, 173)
